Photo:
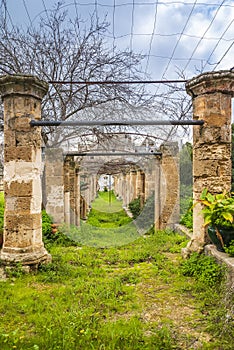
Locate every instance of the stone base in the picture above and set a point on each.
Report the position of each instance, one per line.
(193, 246)
(32, 259)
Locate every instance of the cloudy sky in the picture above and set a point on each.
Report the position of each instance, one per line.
(187, 36)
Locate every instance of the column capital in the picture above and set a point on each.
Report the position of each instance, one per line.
(211, 82)
(22, 85)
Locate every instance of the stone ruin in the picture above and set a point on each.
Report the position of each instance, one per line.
(22, 95)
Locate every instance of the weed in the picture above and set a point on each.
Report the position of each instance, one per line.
(187, 217)
(16, 270)
(203, 268)
(230, 250)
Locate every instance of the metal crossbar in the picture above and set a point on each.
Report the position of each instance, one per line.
(112, 123)
(97, 154)
(114, 82)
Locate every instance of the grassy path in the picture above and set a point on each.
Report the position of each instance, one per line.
(132, 297)
(108, 225)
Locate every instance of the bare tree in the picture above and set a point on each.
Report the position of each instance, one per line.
(62, 49)
(59, 48)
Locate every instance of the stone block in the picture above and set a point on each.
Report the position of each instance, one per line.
(213, 184)
(21, 222)
(54, 155)
(9, 138)
(22, 123)
(209, 168)
(54, 181)
(19, 204)
(211, 135)
(18, 153)
(213, 152)
(19, 189)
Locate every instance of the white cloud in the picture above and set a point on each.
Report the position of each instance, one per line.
(171, 18)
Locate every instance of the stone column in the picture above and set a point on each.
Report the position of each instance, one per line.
(138, 183)
(124, 190)
(72, 190)
(157, 195)
(78, 199)
(22, 95)
(120, 186)
(142, 190)
(69, 190)
(54, 183)
(211, 94)
(128, 189)
(133, 184)
(170, 185)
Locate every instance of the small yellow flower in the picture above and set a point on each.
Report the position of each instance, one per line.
(82, 331)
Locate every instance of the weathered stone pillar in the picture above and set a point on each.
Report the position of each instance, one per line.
(124, 190)
(54, 184)
(121, 186)
(157, 195)
(22, 97)
(170, 185)
(142, 190)
(211, 93)
(69, 190)
(128, 189)
(77, 196)
(133, 184)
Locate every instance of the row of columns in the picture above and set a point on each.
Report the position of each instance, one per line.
(211, 94)
(68, 191)
(160, 178)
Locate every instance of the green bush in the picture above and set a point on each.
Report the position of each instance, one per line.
(203, 268)
(187, 218)
(230, 250)
(135, 207)
(146, 218)
(49, 237)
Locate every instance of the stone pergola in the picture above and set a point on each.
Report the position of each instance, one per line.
(65, 177)
(22, 96)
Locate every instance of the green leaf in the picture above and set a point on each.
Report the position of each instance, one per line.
(210, 197)
(203, 194)
(207, 220)
(228, 216)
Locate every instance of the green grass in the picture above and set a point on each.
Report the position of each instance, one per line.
(137, 296)
(107, 202)
(108, 224)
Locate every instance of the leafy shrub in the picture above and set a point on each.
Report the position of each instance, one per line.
(146, 218)
(15, 270)
(230, 250)
(135, 207)
(46, 224)
(49, 237)
(203, 268)
(187, 218)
